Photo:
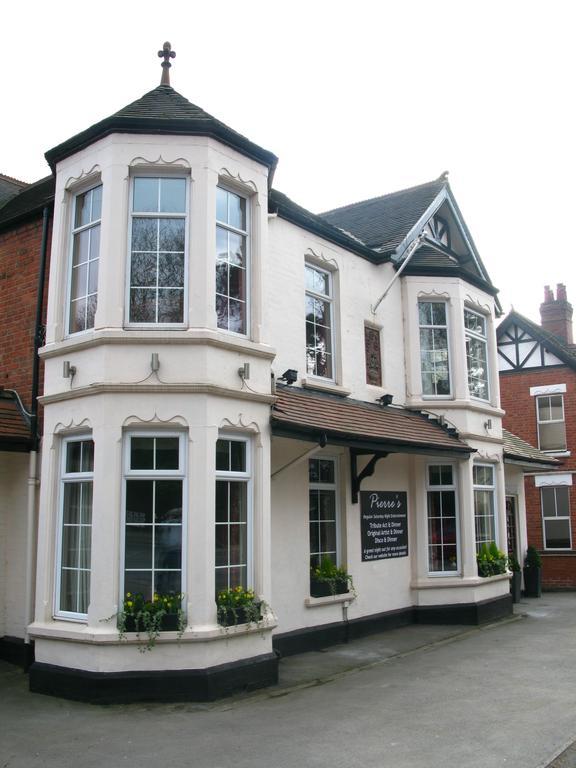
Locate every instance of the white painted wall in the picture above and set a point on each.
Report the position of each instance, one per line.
(13, 504)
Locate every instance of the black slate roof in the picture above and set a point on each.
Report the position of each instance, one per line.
(29, 202)
(162, 110)
(553, 343)
(383, 222)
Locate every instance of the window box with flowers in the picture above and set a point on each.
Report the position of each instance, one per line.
(238, 605)
(327, 579)
(150, 617)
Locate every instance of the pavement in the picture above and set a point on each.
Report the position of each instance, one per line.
(416, 697)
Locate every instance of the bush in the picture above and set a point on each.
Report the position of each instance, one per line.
(532, 559)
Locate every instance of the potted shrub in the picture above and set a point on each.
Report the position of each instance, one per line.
(327, 579)
(491, 561)
(238, 605)
(150, 617)
(532, 573)
(516, 580)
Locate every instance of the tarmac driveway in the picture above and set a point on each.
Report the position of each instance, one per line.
(423, 697)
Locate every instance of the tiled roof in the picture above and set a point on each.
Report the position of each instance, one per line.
(31, 200)
(519, 450)
(383, 222)
(553, 343)
(162, 110)
(308, 415)
(9, 187)
(14, 425)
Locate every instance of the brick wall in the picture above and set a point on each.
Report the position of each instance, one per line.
(558, 570)
(19, 265)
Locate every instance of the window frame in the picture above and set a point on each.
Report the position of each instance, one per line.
(470, 334)
(69, 478)
(247, 234)
(73, 231)
(161, 174)
(247, 477)
(446, 326)
(550, 421)
(334, 487)
(443, 487)
(567, 517)
(145, 474)
(330, 299)
(491, 489)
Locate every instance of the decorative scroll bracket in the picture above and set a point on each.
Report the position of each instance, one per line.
(368, 470)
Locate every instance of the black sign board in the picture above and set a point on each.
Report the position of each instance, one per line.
(384, 524)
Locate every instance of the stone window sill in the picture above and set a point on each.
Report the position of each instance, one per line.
(315, 602)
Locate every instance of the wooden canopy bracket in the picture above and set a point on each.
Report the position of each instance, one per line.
(368, 470)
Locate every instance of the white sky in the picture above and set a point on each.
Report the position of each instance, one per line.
(356, 98)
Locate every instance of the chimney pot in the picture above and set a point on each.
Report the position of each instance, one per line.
(561, 292)
(556, 313)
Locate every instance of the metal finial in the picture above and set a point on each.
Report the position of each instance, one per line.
(166, 53)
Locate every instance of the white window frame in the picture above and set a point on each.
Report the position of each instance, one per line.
(334, 487)
(424, 300)
(567, 517)
(161, 174)
(483, 338)
(331, 301)
(67, 478)
(245, 477)
(150, 474)
(247, 234)
(453, 487)
(491, 489)
(74, 231)
(550, 421)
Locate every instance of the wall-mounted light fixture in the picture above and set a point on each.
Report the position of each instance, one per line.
(244, 371)
(289, 376)
(155, 362)
(386, 399)
(68, 371)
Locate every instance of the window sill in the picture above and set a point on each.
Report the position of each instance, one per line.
(435, 582)
(315, 602)
(558, 454)
(325, 386)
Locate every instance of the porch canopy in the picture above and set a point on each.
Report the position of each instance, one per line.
(518, 451)
(14, 425)
(365, 428)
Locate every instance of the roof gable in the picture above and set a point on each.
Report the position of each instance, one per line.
(162, 111)
(524, 344)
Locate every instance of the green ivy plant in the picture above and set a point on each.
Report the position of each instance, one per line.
(148, 616)
(491, 561)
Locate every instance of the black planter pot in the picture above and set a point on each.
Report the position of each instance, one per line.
(325, 589)
(533, 582)
(169, 624)
(516, 586)
(230, 618)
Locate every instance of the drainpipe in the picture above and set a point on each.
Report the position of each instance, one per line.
(33, 462)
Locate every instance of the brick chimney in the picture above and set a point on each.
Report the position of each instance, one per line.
(556, 313)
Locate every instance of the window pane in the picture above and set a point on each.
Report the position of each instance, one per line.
(328, 537)
(96, 203)
(223, 455)
(168, 501)
(173, 195)
(68, 590)
(237, 456)
(236, 248)
(170, 305)
(236, 289)
(221, 204)
(221, 501)
(145, 194)
(142, 305)
(221, 545)
(82, 209)
(552, 436)
(171, 270)
(144, 234)
(237, 502)
(142, 453)
(557, 534)
(236, 211)
(313, 470)
(138, 583)
(138, 546)
(238, 550)
(167, 452)
(81, 247)
(139, 499)
(326, 470)
(171, 237)
(70, 544)
(168, 583)
(562, 502)
(168, 546)
(438, 313)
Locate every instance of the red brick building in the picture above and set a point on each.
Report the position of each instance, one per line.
(538, 392)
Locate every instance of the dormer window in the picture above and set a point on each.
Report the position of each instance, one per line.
(437, 229)
(157, 251)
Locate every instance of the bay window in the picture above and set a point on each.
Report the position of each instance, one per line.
(476, 354)
(83, 285)
(319, 323)
(153, 531)
(442, 519)
(434, 358)
(231, 261)
(233, 513)
(75, 529)
(157, 251)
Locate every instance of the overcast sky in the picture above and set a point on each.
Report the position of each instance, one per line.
(357, 99)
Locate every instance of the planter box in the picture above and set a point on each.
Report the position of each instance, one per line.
(238, 616)
(324, 589)
(533, 582)
(169, 624)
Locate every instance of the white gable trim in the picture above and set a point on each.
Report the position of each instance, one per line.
(550, 389)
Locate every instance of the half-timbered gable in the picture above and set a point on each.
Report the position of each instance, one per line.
(522, 344)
